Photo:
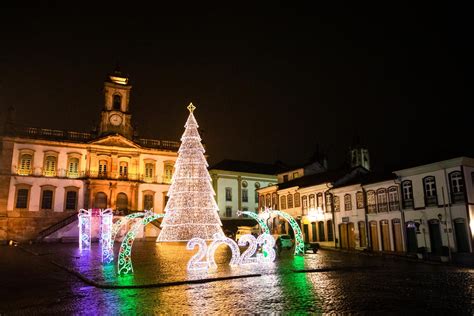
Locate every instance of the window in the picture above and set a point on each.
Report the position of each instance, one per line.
(283, 202)
(457, 186)
(73, 167)
(347, 202)
(360, 200)
(168, 173)
(25, 164)
(431, 198)
(148, 201)
(371, 204)
(295, 175)
(297, 200)
(268, 200)
(320, 200)
(117, 102)
(123, 170)
(47, 199)
(228, 194)
(290, 200)
(337, 203)
(393, 200)
(22, 198)
(228, 212)
(245, 195)
(102, 168)
(261, 201)
(328, 202)
(382, 200)
(71, 200)
(275, 201)
(49, 166)
(122, 202)
(285, 178)
(149, 171)
(311, 201)
(100, 200)
(407, 194)
(304, 202)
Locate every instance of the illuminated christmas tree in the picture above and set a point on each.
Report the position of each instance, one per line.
(191, 210)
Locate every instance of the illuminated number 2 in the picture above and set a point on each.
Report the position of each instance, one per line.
(246, 257)
(196, 262)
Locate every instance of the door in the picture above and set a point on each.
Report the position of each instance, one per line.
(374, 236)
(435, 237)
(351, 235)
(397, 235)
(343, 236)
(462, 241)
(306, 233)
(385, 232)
(362, 235)
(330, 234)
(412, 243)
(314, 234)
(321, 231)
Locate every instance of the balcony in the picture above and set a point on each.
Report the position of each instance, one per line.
(457, 197)
(431, 200)
(372, 209)
(382, 207)
(394, 206)
(407, 203)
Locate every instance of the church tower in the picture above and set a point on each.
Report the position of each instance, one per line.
(358, 155)
(115, 116)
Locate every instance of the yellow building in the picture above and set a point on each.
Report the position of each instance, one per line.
(47, 175)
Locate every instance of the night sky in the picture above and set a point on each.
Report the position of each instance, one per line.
(269, 83)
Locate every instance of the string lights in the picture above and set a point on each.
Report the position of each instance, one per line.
(84, 229)
(191, 211)
(106, 242)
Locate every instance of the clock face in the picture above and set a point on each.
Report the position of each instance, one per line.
(115, 119)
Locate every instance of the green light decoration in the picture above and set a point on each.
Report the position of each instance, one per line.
(125, 255)
(124, 220)
(299, 247)
(259, 220)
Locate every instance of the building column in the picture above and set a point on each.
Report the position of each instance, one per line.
(239, 192)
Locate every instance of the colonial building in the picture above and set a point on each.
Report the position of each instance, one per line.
(437, 201)
(47, 175)
(236, 183)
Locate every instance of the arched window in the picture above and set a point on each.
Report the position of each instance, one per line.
(347, 202)
(71, 198)
(290, 200)
(337, 203)
(117, 102)
(103, 168)
(382, 200)
(360, 200)
(148, 201)
(283, 202)
(47, 199)
(73, 167)
(431, 197)
(297, 200)
(49, 166)
(328, 202)
(319, 200)
(274, 201)
(311, 201)
(25, 165)
(123, 169)
(268, 200)
(149, 171)
(304, 202)
(371, 203)
(407, 194)
(457, 186)
(393, 199)
(122, 201)
(100, 200)
(168, 173)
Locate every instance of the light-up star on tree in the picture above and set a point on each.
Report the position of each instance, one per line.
(191, 210)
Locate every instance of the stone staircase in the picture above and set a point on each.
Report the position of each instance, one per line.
(55, 227)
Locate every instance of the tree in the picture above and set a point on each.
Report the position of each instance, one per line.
(191, 210)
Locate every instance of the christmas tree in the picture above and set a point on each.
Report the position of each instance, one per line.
(191, 210)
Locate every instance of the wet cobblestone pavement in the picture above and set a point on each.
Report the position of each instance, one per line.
(339, 283)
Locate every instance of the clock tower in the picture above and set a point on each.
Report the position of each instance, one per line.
(115, 116)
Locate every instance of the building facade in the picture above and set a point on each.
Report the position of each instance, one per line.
(48, 175)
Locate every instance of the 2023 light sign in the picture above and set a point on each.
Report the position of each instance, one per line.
(204, 258)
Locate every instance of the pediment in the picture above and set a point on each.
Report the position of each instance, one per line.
(115, 140)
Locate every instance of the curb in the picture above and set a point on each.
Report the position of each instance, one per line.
(166, 284)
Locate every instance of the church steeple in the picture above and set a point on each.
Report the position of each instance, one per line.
(359, 155)
(115, 116)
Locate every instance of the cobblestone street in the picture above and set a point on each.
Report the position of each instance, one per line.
(328, 281)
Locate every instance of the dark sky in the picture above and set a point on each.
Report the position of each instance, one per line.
(269, 83)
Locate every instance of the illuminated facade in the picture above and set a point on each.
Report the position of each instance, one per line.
(47, 175)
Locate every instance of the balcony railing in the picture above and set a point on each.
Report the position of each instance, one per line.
(457, 197)
(394, 206)
(372, 208)
(407, 203)
(431, 200)
(382, 207)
